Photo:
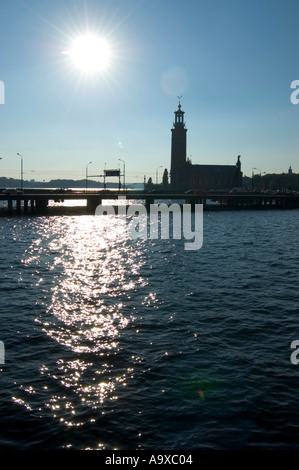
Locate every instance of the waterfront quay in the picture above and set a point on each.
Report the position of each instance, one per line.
(40, 201)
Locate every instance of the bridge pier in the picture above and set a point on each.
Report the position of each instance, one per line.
(18, 206)
(41, 205)
(280, 203)
(92, 204)
(9, 206)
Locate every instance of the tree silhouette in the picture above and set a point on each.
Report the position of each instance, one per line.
(149, 183)
(165, 179)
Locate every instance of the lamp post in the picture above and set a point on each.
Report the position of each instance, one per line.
(124, 171)
(86, 174)
(22, 173)
(105, 176)
(157, 173)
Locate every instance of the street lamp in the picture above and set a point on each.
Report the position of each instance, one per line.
(86, 175)
(124, 171)
(21, 170)
(258, 170)
(157, 173)
(105, 176)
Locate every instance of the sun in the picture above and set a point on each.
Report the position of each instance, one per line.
(89, 53)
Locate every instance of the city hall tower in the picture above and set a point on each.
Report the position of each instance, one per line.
(178, 150)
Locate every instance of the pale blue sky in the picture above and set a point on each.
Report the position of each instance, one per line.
(232, 60)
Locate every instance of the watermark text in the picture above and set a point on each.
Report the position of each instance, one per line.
(2, 353)
(295, 94)
(161, 221)
(294, 356)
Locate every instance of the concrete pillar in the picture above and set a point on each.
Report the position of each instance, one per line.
(18, 206)
(92, 203)
(41, 205)
(9, 205)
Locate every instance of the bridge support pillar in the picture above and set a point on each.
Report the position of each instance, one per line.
(41, 205)
(92, 204)
(18, 206)
(9, 205)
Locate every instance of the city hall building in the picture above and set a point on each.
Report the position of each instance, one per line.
(186, 176)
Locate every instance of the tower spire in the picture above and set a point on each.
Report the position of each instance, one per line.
(179, 115)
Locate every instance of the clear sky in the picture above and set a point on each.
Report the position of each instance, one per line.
(232, 61)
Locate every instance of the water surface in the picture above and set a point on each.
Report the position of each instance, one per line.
(112, 343)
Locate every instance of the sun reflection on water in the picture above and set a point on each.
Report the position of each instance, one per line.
(96, 270)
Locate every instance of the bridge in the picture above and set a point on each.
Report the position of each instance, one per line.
(40, 201)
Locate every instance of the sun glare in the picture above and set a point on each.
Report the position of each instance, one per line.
(90, 54)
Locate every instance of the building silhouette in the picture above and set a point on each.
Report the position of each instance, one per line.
(185, 176)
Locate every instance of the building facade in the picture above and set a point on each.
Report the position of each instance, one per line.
(185, 176)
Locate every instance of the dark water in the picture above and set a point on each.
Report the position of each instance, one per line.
(118, 344)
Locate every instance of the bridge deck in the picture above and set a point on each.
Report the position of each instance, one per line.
(38, 199)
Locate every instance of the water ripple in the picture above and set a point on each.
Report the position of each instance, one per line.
(113, 343)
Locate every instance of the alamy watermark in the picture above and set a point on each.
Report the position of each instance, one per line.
(294, 358)
(2, 92)
(139, 223)
(294, 95)
(2, 353)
